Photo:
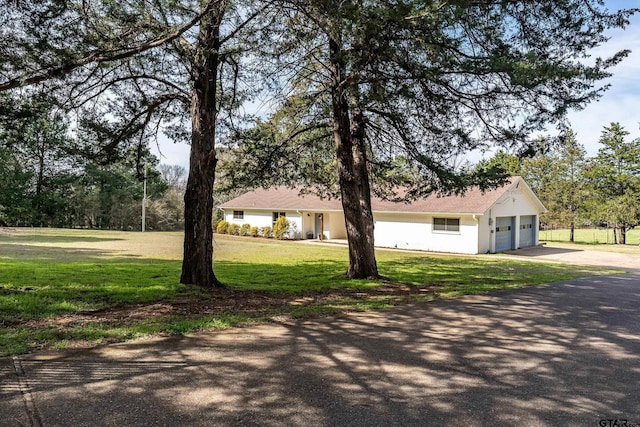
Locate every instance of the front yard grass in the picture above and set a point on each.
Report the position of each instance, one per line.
(68, 288)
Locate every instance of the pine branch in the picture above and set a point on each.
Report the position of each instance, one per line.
(102, 55)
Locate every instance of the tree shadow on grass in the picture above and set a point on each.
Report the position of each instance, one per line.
(425, 271)
(296, 277)
(38, 238)
(26, 252)
(59, 281)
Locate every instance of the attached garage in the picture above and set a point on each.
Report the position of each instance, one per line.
(505, 233)
(527, 231)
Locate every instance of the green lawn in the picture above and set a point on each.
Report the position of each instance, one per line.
(62, 288)
(589, 236)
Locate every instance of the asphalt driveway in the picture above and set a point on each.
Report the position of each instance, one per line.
(562, 354)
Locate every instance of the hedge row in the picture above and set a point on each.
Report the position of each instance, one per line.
(279, 231)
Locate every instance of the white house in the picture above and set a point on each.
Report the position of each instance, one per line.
(477, 222)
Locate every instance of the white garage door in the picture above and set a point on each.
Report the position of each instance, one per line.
(526, 231)
(504, 233)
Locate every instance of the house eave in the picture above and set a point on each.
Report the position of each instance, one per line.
(280, 209)
(429, 212)
(340, 210)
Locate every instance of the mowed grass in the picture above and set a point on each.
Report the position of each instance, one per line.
(602, 238)
(53, 281)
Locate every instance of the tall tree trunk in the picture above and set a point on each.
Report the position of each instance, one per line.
(38, 218)
(360, 152)
(571, 231)
(353, 177)
(623, 234)
(197, 262)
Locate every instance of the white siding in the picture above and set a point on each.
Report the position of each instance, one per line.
(254, 218)
(484, 234)
(308, 223)
(415, 231)
(262, 218)
(295, 224)
(335, 228)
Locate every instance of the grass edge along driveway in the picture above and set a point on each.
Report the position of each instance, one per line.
(78, 288)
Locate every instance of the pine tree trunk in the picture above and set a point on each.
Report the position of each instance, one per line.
(363, 187)
(37, 218)
(571, 232)
(353, 178)
(197, 263)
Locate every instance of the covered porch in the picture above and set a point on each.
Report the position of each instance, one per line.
(323, 225)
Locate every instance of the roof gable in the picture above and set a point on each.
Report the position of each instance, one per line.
(474, 201)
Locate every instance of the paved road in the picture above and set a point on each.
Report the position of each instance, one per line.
(563, 354)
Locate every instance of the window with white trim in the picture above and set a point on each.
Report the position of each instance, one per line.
(238, 215)
(447, 225)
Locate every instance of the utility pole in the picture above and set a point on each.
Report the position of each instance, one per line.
(144, 197)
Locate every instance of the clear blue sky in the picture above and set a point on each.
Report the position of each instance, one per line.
(621, 103)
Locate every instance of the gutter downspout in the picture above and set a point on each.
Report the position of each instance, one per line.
(492, 243)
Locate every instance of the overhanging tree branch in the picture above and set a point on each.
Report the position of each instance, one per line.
(101, 56)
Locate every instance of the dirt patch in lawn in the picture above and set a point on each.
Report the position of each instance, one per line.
(251, 303)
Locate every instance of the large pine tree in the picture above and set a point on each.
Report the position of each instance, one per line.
(129, 69)
(426, 81)
(613, 179)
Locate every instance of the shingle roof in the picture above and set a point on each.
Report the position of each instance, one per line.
(473, 201)
(282, 198)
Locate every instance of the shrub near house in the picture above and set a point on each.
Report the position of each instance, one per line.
(281, 228)
(222, 227)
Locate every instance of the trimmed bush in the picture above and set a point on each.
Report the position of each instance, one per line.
(266, 232)
(281, 228)
(233, 229)
(244, 230)
(222, 227)
(253, 232)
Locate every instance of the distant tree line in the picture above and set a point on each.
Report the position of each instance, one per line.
(47, 180)
(579, 191)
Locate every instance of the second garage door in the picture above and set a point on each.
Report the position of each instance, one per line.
(526, 231)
